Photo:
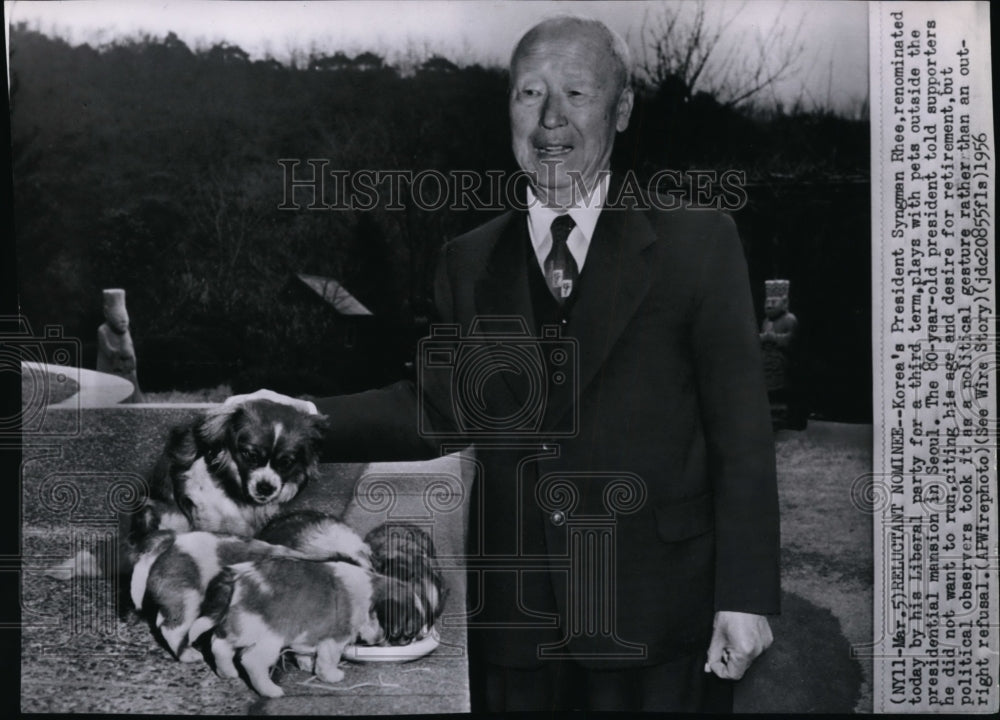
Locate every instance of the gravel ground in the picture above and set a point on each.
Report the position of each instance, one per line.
(827, 561)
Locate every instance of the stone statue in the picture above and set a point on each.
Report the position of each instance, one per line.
(777, 337)
(115, 351)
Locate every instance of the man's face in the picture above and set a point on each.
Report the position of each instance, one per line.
(566, 105)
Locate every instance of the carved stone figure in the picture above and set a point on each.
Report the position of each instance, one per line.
(777, 337)
(115, 351)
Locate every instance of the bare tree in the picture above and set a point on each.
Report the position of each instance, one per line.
(693, 53)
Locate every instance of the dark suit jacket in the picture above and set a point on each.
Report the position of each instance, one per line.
(661, 462)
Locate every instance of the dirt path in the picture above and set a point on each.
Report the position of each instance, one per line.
(818, 662)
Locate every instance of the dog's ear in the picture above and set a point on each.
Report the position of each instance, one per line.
(316, 428)
(181, 449)
(317, 425)
(212, 428)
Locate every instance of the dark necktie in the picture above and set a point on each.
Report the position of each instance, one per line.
(561, 272)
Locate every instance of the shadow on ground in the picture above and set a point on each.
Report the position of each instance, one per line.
(809, 667)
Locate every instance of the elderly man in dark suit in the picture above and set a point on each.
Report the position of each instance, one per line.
(633, 513)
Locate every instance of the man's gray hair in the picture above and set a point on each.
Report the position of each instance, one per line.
(616, 43)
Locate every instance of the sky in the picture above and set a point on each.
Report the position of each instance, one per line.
(833, 68)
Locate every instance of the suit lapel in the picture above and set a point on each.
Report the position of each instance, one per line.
(502, 290)
(616, 277)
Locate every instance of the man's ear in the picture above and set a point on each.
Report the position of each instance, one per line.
(624, 111)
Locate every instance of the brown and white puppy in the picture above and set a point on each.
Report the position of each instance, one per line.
(172, 572)
(258, 609)
(230, 470)
(398, 550)
(406, 552)
(318, 536)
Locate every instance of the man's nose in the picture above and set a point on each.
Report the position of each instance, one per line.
(552, 112)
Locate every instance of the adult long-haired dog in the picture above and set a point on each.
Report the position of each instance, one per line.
(230, 470)
(258, 609)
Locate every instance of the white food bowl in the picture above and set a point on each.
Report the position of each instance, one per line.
(393, 653)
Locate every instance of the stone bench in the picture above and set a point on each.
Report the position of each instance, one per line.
(81, 467)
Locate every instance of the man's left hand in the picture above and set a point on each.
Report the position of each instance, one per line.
(737, 639)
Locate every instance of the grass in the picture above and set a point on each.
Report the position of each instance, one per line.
(204, 395)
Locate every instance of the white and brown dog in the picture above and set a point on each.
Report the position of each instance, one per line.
(258, 609)
(405, 552)
(172, 570)
(318, 536)
(172, 573)
(402, 551)
(231, 469)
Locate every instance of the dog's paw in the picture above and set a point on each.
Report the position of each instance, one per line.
(189, 655)
(271, 691)
(229, 672)
(330, 674)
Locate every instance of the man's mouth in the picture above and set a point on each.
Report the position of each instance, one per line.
(547, 151)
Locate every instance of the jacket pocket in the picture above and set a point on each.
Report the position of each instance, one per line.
(685, 519)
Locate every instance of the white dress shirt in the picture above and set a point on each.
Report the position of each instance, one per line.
(585, 216)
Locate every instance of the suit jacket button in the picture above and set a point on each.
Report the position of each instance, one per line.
(557, 518)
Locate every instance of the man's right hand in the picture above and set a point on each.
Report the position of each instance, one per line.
(305, 406)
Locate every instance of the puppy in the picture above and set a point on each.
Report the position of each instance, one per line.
(312, 608)
(406, 552)
(172, 572)
(230, 470)
(317, 536)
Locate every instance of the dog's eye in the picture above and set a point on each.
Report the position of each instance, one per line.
(249, 454)
(284, 462)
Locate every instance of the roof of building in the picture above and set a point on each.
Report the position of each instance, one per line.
(335, 294)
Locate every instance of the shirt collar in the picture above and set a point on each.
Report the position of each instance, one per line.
(585, 215)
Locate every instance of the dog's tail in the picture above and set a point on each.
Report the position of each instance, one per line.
(153, 546)
(215, 606)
